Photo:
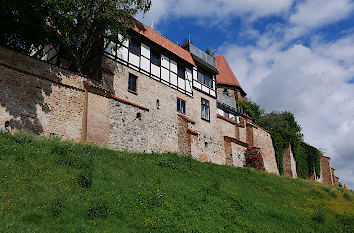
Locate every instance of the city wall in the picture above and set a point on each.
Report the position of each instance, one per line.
(46, 100)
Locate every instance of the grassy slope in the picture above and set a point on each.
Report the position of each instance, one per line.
(52, 186)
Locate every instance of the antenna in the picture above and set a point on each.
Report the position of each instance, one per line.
(152, 24)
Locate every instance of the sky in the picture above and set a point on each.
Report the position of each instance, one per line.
(288, 55)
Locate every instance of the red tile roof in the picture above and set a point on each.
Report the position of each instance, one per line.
(225, 76)
(164, 42)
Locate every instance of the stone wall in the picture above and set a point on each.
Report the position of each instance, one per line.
(128, 127)
(238, 154)
(289, 164)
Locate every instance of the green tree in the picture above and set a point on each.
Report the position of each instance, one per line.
(251, 109)
(76, 27)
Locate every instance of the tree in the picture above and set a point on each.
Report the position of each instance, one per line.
(282, 121)
(251, 109)
(76, 27)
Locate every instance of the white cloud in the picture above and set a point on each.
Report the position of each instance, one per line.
(316, 13)
(214, 10)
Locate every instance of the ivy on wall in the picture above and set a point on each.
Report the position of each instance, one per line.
(307, 159)
(284, 130)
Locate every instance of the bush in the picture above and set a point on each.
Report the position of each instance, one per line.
(254, 159)
(98, 209)
(85, 179)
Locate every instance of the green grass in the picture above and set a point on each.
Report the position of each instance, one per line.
(48, 185)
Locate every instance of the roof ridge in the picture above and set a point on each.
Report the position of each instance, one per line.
(159, 34)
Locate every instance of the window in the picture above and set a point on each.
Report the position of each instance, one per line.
(180, 71)
(134, 47)
(181, 106)
(207, 80)
(204, 77)
(155, 58)
(132, 83)
(205, 110)
(200, 76)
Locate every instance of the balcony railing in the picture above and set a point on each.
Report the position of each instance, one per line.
(225, 101)
(202, 55)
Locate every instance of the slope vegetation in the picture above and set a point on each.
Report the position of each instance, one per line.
(49, 185)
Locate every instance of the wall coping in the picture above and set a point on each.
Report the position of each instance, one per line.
(186, 118)
(192, 132)
(227, 138)
(128, 102)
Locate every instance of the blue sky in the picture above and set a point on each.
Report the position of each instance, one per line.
(287, 55)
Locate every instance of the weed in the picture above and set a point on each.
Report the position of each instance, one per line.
(32, 218)
(172, 164)
(320, 216)
(85, 178)
(57, 207)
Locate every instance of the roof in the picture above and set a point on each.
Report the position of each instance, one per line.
(164, 42)
(226, 76)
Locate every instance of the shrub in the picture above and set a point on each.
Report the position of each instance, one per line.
(254, 159)
(98, 209)
(85, 179)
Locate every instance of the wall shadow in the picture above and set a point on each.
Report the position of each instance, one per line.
(22, 96)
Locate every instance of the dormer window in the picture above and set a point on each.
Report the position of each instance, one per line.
(181, 71)
(134, 47)
(204, 77)
(155, 58)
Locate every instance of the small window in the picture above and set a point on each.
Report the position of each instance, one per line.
(181, 106)
(180, 71)
(134, 47)
(204, 77)
(205, 110)
(207, 80)
(155, 58)
(132, 83)
(200, 76)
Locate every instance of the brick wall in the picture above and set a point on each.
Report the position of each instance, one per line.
(326, 173)
(39, 97)
(263, 140)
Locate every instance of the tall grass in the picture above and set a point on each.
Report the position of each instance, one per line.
(49, 185)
